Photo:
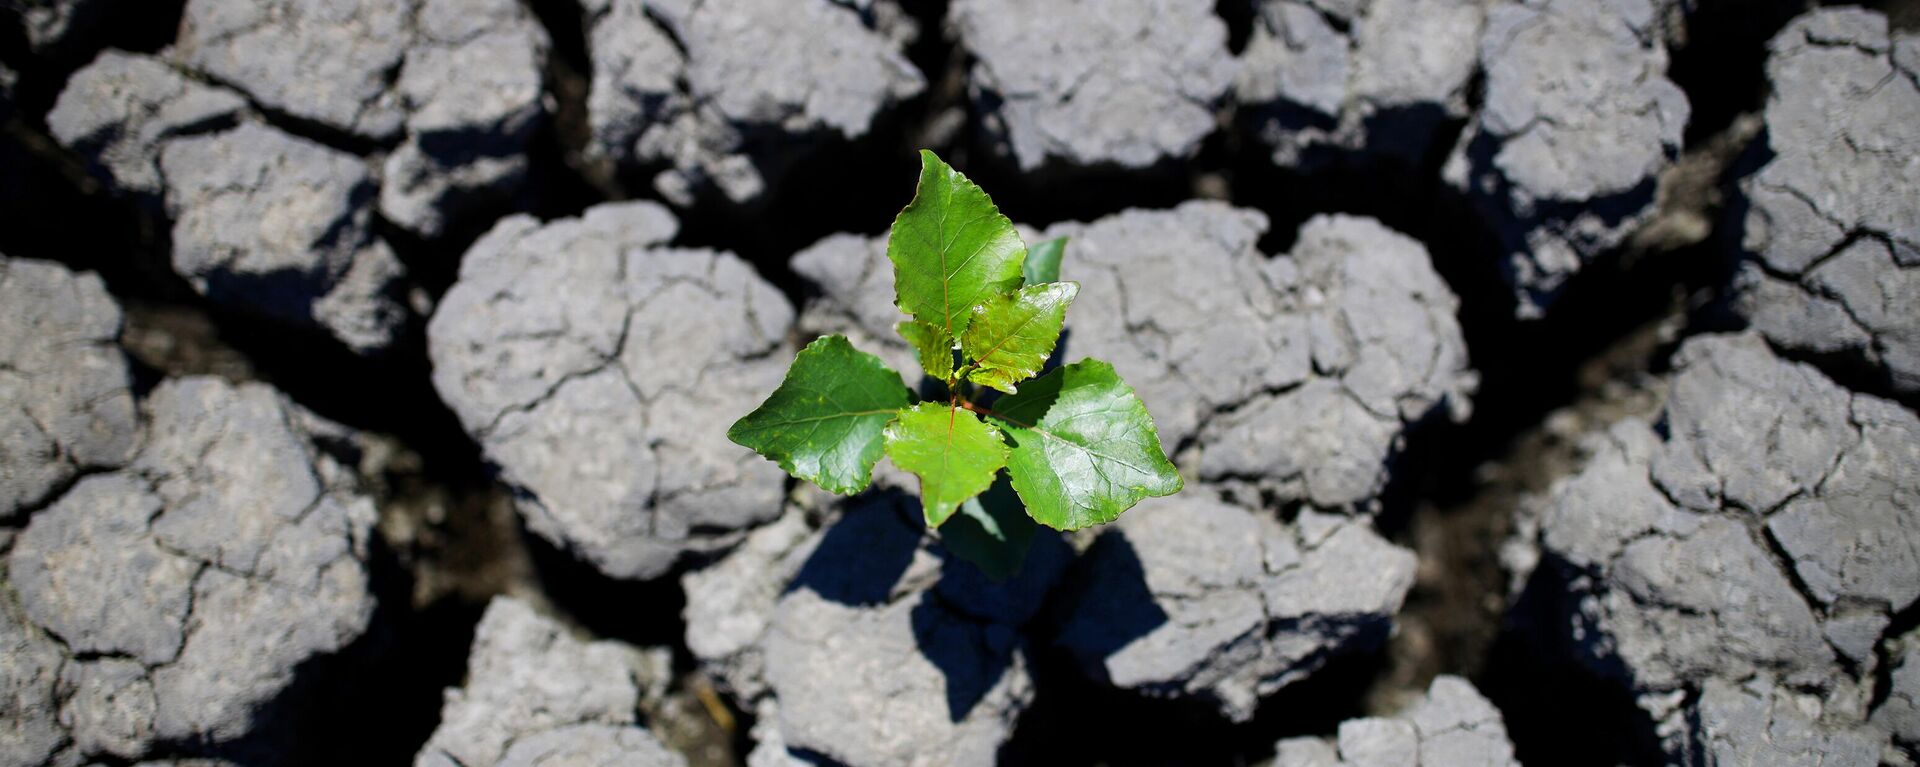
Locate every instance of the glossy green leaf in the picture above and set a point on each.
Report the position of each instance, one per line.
(951, 249)
(992, 531)
(1085, 449)
(931, 344)
(1043, 262)
(1012, 335)
(952, 451)
(825, 422)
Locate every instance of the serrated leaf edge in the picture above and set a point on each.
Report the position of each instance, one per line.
(785, 462)
(1153, 433)
(1016, 284)
(983, 369)
(927, 513)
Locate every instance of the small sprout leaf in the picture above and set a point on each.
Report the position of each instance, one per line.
(1012, 335)
(931, 344)
(951, 249)
(952, 451)
(1085, 449)
(824, 423)
(1077, 444)
(992, 531)
(1043, 262)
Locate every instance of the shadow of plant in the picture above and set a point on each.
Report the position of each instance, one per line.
(964, 622)
(992, 531)
(861, 561)
(864, 554)
(971, 655)
(1001, 590)
(1116, 609)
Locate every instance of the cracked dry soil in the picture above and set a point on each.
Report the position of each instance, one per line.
(1542, 373)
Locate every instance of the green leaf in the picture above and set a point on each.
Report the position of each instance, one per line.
(824, 423)
(992, 531)
(1085, 449)
(932, 344)
(951, 249)
(1043, 261)
(1011, 336)
(954, 453)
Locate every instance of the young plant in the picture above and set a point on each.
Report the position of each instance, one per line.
(1076, 443)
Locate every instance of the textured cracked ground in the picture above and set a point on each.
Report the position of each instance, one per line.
(170, 594)
(1832, 257)
(581, 349)
(1747, 556)
(365, 371)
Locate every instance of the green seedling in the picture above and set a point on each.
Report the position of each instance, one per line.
(985, 313)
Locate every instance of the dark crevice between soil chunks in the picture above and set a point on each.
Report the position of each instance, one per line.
(954, 127)
(52, 209)
(641, 613)
(1616, 321)
(1903, 15)
(1592, 356)
(417, 647)
(415, 655)
(1239, 18)
(1721, 61)
(1074, 721)
(1903, 623)
(831, 186)
(1052, 194)
(329, 136)
(1557, 711)
(693, 717)
(566, 183)
(822, 185)
(1463, 513)
(436, 561)
(942, 118)
(142, 27)
(819, 184)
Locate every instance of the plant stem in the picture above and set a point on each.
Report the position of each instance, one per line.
(960, 375)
